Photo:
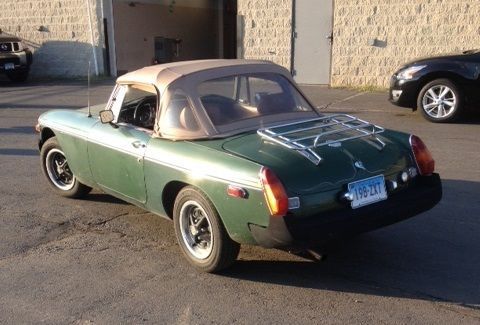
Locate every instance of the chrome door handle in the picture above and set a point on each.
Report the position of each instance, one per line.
(138, 144)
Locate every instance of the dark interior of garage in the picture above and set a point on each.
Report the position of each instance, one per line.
(159, 31)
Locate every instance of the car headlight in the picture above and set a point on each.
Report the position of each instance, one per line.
(410, 72)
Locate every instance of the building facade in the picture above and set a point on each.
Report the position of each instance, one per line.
(369, 40)
(336, 42)
(64, 35)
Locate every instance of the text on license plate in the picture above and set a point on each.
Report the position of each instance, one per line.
(9, 66)
(367, 191)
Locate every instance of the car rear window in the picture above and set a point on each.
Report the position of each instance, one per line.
(239, 97)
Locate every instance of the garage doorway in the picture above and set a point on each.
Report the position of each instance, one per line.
(229, 24)
(312, 41)
(148, 32)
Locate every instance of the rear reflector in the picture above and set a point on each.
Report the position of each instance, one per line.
(236, 191)
(275, 195)
(423, 157)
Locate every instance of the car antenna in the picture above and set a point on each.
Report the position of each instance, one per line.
(317, 108)
(327, 106)
(88, 91)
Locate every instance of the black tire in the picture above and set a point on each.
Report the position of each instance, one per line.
(440, 109)
(60, 178)
(18, 76)
(215, 250)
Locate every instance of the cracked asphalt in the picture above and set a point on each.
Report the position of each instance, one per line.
(102, 261)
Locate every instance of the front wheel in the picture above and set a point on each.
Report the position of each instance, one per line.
(440, 101)
(55, 168)
(200, 232)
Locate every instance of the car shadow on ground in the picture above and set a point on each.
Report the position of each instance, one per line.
(434, 256)
(471, 116)
(103, 197)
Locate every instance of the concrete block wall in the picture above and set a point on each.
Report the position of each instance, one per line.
(404, 30)
(64, 47)
(267, 30)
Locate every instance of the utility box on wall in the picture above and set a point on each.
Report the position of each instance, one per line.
(166, 49)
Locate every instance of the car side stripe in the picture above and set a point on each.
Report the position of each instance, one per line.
(249, 183)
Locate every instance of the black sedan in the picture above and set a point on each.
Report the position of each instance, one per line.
(441, 87)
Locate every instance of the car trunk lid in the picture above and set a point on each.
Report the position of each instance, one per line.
(341, 162)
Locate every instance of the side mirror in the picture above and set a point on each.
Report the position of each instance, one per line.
(106, 116)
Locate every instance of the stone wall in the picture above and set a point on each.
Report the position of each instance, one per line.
(58, 31)
(372, 38)
(267, 30)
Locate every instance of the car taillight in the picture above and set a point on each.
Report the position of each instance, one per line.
(274, 191)
(423, 157)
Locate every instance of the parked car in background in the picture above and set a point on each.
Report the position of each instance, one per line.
(234, 153)
(15, 58)
(441, 87)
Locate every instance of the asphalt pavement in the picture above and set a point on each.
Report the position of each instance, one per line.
(102, 261)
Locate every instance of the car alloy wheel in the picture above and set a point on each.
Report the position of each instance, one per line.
(196, 231)
(439, 101)
(200, 232)
(60, 177)
(58, 170)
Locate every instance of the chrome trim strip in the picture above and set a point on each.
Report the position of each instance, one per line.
(245, 183)
(83, 136)
(63, 129)
(242, 183)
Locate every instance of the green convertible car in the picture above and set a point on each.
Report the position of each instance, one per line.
(234, 153)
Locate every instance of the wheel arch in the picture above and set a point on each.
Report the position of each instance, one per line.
(170, 193)
(45, 134)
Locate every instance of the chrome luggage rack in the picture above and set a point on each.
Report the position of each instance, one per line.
(330, 130)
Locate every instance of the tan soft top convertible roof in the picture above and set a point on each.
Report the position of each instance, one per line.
(161, 75)
(187, 75)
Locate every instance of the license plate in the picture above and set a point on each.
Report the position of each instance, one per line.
(367, 191)
(9, 66)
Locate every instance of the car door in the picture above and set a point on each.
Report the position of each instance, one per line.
(116, 151)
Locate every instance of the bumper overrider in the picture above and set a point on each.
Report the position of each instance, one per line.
(293, 231)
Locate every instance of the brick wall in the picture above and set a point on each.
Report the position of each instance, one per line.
(404, 30)
(64, 47)
(267, 29)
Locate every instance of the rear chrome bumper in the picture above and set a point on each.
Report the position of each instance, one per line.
(294, 231)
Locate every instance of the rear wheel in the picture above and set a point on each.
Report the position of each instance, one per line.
(200, 232)
(58, 173)
(440, 101)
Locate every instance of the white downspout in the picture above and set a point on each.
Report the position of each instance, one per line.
(92, 37)
(111, 39)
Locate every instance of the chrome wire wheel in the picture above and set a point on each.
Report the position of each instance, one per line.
(196, 230)
(439, 102)
(58, 170)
